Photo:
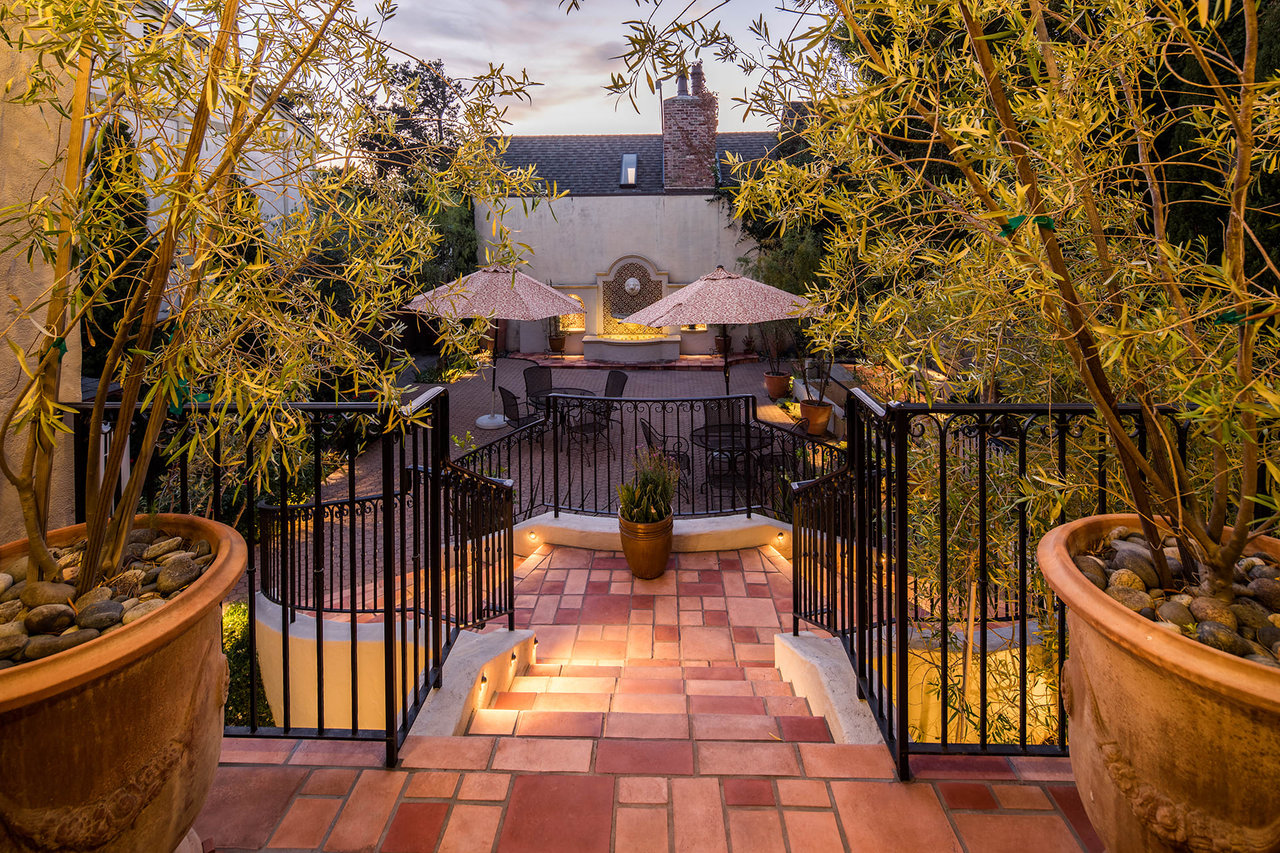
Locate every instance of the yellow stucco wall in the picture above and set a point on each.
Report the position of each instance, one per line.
(29, 140)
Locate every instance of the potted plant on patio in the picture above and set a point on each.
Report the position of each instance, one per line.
(1024, 183)
(776, 337)
(555, 335)
(724, 344)
(112, 676)
(645, 517)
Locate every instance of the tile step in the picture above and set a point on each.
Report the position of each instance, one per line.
(791, 728)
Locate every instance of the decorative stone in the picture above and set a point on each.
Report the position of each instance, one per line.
(1265, 573)
(1131, 598)
(177, 574)
(204, 561)
(14, 592)
(100, 615)
(16, 568)
(152, 572)
(93, 596)
(11, 645)
(149, 596)
(142, 535)
(142, 609)
(49, 619)
(146, 588)
(135, 550)
(1120, 533)
(1267, 591)
(1219, 636)
(1126, 578)
(162, 547)
(1170, 627)
(47, 592)
(17, 626)
(68, 575)
(1148, 613)
(1213, 610)
(1269, 635)
(6, 581)
(128, 604)
(1137, 561)
(71, 559)
(1259, 649)
(1182, 598)
(1274, 619)
(201, 548)
(1177, 613)
(1249, 613)
(1264, 660)
(42, 647)
(1089, 563)
(10, 610)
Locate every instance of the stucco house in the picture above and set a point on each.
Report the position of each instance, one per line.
(640, 218)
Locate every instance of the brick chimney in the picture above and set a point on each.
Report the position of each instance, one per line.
(689, 123)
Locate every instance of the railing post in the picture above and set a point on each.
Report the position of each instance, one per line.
(900, 570)
(388, 591)
(553, 413)
(797, 558)
(749, 416)
(251, 494)
(435, 535)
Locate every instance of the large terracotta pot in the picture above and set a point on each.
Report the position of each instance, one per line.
(646, 546)
(556, 344)
(777, 384)
(819, 414)
(112, 745)
(1174, 745)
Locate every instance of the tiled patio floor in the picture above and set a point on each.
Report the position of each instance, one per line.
(654, 720)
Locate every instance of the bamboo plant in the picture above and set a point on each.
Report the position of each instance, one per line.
(234, 108)
(1022, 167)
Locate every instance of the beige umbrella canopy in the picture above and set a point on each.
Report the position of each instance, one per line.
(726, 298)
(500, 293)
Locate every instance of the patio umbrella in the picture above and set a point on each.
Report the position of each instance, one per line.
(726, 298)
(500, 293)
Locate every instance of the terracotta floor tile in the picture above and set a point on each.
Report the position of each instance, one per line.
(652, 669)
(539, 817)
(847, 761)
(698, 816)
(650, 685)
(1036, 768)
(415, 828)
(618, 724)
(1005, 833)
(642, 789)
(752, 831)
(513, 701)
(743, 635)
(718, 672)
(752, 612)
(873, 813)
(255, 750)
(668, 758)
(600, 650)
(582, 702)
(344, 753)
(748, 792)
(806, 729)
(713, 687)
(245, 804)
(544, 756)
(579, 684)
(705, 644)
(967, 796)
(726, 705)
(961, 767)
(1068, 800)
(484, 786)
(747, 759)
(329, 783)
(734, 727)
(437, 785)
(560, 724)
(651, 703)
(813, 832)
(772, 688)
(471, 828)
(493, 721)
(698, 561)
(787, 706)
(306, 823)
(446, 753)
(530, 683)
(640, 829)
(364, 817)
(1021, 797)
(691, 619)
(606, 609)
(810, 793)
(666, 633)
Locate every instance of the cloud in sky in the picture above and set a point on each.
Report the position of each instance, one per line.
(571, 54)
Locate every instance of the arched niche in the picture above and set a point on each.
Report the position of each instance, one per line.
(632, 282)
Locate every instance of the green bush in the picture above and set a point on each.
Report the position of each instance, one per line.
(648, 497)
(235, 644)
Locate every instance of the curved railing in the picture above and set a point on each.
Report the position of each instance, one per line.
(576, 456)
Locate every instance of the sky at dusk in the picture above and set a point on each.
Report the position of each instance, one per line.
(570, 54)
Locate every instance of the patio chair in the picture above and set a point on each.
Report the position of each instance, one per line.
(724, 412)
(537, 380)
(615, 383)
(592, 424)
(674, 447)
(511, 410)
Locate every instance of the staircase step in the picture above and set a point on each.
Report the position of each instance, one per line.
(641, 726)
(560, 724)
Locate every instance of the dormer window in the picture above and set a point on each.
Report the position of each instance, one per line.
(628, 176)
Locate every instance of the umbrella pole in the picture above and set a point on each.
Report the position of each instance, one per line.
(726, 374)
(493, 420)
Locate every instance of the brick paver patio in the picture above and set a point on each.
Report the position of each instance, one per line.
(653, 720)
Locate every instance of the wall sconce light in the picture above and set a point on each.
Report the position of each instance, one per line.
(781, 536)
(533, 537)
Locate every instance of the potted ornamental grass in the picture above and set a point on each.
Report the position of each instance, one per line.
(555, 335)
(645, 516)
(776, 338)
(1076, 202)
(179, 258)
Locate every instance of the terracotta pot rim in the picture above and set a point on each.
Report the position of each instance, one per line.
(823, 405)
(647, 528)
(776, 373)
(1136, 634)
(37, 680)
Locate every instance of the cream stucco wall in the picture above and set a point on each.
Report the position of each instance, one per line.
(29, 139)
(578, 237)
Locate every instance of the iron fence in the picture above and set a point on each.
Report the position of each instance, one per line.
(576, 456)
(367, 558)
(917, 555)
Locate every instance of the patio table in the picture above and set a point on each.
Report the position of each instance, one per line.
(538, 399)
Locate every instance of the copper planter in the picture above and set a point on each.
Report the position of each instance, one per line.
(646, 546)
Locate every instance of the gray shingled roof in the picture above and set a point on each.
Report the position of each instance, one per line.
(590, 165)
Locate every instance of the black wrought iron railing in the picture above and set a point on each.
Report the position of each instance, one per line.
(918, 555)
(576, 456)
(367, 558)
